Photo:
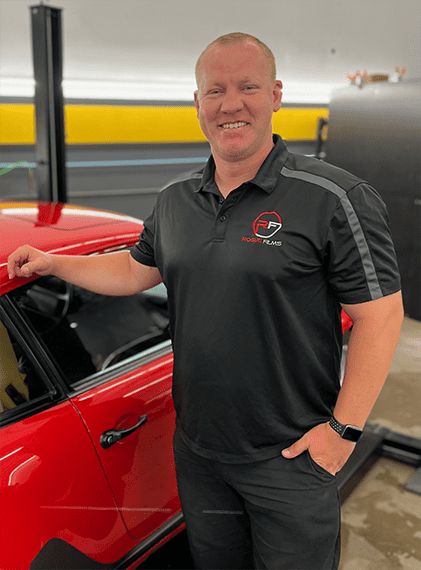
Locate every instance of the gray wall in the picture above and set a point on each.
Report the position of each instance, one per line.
(150, 46)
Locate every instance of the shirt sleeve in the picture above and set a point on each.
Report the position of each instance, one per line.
(144, 250)
(362, 264)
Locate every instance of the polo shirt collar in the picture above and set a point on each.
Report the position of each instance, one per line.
(266, 178)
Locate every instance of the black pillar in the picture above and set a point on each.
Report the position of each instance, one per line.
(50, 174)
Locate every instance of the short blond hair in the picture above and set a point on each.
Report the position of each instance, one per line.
(235, 38)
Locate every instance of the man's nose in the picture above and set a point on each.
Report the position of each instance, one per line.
(232, 102)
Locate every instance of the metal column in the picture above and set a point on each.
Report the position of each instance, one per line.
(50, 174)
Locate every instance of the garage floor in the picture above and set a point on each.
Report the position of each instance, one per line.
(381, 520)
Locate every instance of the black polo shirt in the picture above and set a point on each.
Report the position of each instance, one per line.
(254, 287)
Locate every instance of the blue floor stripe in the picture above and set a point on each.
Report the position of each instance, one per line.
(105, 163)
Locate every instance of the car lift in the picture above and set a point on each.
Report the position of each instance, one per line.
(375, 442)
(50, 174)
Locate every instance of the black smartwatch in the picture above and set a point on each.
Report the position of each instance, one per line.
(351, 433)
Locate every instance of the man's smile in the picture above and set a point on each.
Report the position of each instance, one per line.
(236, 125)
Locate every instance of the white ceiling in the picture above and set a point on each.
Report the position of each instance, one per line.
(147, 49)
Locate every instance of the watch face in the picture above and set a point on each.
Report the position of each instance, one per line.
(352, 434)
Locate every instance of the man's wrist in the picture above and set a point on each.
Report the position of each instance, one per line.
(346, 431)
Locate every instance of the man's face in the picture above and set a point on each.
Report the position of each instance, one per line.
(235, 101)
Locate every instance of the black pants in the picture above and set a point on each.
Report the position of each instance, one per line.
(279, 513)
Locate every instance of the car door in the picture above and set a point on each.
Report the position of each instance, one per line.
(52, 486)
(136, 407)
(114, 355)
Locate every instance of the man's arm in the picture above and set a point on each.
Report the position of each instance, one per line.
(371, 347)
(108, 274)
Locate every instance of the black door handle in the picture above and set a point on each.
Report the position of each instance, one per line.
(111, 436)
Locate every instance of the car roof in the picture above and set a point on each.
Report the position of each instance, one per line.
(60, 228)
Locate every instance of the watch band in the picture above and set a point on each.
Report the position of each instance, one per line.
(335, 425)
(347, 431)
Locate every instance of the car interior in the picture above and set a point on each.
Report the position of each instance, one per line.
(85, 332)
(19, 381)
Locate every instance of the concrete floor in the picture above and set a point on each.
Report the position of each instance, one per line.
(381, 520)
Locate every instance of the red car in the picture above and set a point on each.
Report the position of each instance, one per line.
(86, 468)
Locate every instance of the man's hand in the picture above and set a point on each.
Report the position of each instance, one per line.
(325, 446)
(26, 261)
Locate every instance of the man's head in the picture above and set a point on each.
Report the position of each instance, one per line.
(237, 95)
(236, 38)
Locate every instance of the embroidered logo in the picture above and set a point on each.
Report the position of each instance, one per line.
(265, 227)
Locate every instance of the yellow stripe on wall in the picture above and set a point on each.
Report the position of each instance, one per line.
(119, 124)
(298, 123)
(17, 124)
(104, 124)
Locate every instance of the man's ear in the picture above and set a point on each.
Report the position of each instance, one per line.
(196, 101)
(277, 95)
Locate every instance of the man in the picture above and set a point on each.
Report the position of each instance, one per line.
(258, 252)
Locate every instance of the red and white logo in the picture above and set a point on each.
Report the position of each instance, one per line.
(267, 225)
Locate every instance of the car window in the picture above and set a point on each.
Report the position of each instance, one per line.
(86, 333)
(20, 383)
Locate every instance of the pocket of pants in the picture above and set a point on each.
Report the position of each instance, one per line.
(318, 468)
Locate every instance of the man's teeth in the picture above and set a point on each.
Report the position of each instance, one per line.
(233, 125)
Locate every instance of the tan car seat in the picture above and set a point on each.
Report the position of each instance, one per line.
(10, 377)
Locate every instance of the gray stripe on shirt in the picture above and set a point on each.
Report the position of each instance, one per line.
(354, 223)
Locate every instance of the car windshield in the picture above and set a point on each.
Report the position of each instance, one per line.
(86, 332)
